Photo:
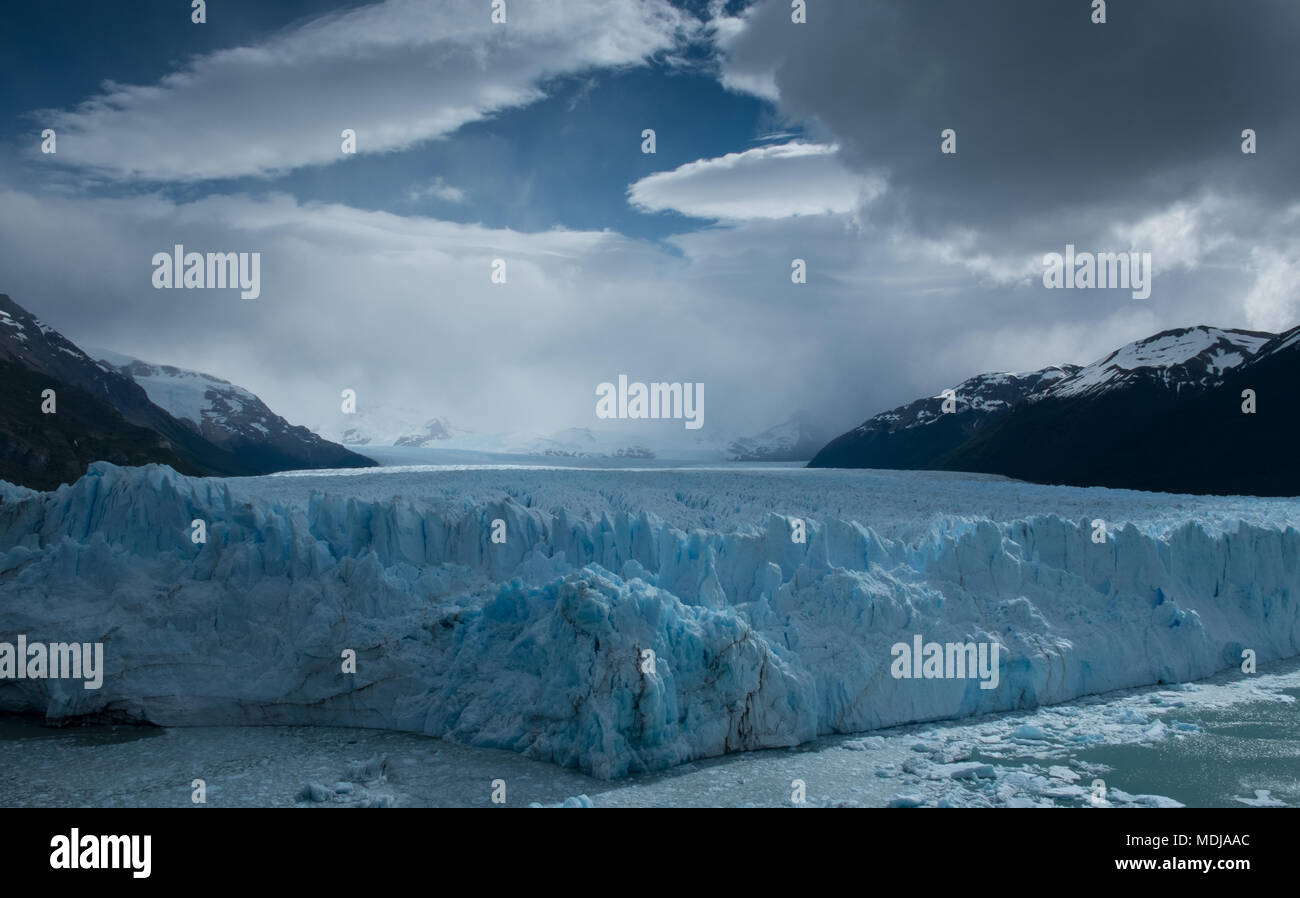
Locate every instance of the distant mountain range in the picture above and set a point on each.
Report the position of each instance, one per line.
(796, 439)
(378, 425)
(1164, 413)
(232, 418)
(131, 412)
(382, 425)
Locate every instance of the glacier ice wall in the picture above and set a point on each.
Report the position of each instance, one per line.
(537, 645)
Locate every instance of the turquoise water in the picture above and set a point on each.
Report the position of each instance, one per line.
(1235, 750)
(1240, 749)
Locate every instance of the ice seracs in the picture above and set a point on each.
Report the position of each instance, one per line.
(536, 644)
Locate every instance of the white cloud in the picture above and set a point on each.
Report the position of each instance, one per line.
(1175, 236)
(1273, 303)
(438, 189)
(402, 309)
(398, 73)
(741, 69)
(765, 182)
(1182, 235)
(960, 247)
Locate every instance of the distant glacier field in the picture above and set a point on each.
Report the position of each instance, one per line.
(625, 622)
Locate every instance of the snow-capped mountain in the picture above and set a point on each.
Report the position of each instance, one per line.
(101, 413)
(97, 413)
(381, 425)
(229, 416)
(795, 439)
(25, 340)
(1169, 412)
(582, 442)
(983, 394)
(1185, 359)
(435, 430)
(916, 435)
(204, 402)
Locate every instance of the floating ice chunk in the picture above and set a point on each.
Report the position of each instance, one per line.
(573, 801)
(971, 771)
(1131, 715)
(1263, 799)
(871, 743)
(367, 771)
(906, 801)
(1028, 732)
(315, 792)
(1157, 801)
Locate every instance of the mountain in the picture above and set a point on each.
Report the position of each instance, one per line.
(916, 435)
(1164, 413)
(384, 424)
(379, 425)
(230, 417)
(49, 450)
(1185, 360)
(434, 431)
(795, 439)
(41, 450)
(100, 414)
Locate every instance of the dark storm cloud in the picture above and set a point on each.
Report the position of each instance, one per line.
(1052, 112)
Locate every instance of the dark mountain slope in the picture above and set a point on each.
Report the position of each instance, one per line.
(42, 451)
(1163, 414)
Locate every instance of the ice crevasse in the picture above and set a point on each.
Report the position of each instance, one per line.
(540, 645)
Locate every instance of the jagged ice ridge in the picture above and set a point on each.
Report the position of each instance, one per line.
(536, 645)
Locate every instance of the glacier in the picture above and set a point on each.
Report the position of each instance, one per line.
(538, 645)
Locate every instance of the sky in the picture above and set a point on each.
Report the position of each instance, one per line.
(522, 141)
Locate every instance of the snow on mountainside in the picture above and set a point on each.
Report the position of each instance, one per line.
(104, 413)
(228, 416)
(795, 439)
(1162, 413)
(29, 342)
(204, 401)
(579, 442)
(1184, 359)
(984, 394)
(101, 413)
(393, 425)
(1287, 341)
(379, 425)
(917, 435)
(537, 644)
